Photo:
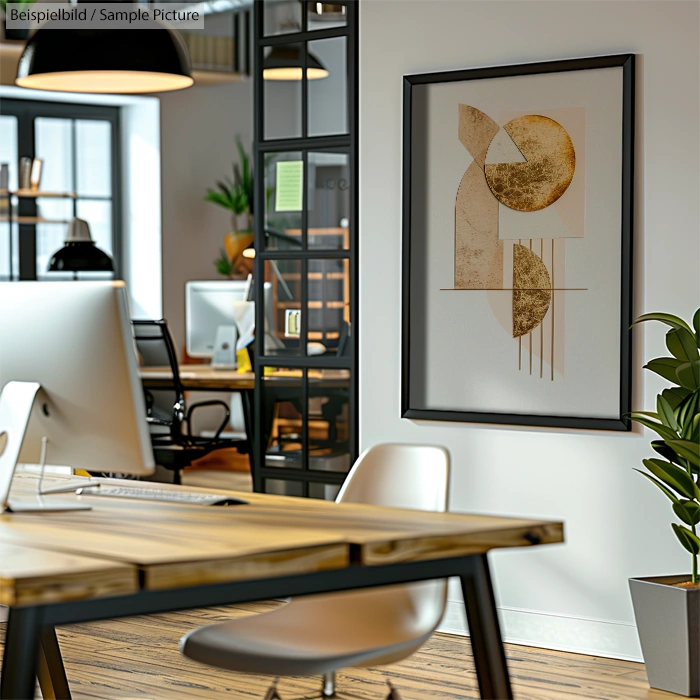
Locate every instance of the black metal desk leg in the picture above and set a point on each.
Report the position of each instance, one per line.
(484, 631)
(19, 661)
(50, 669)
(248, 419)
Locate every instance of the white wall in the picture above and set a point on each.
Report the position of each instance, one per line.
(141, 190)
(571, 596)
(198, 145)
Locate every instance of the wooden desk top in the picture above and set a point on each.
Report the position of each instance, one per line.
(204, 377)
(173, 545)
(29, 576)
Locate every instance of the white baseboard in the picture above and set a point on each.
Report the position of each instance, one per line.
(616, 640)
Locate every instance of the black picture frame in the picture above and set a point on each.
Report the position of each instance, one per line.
(620, 423)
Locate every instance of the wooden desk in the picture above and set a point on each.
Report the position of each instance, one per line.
(137, 557)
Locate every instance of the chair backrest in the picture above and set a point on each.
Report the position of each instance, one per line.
(155, 348)
(402, 476)
(399, 476)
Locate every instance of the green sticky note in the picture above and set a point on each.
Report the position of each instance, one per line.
(290, 185)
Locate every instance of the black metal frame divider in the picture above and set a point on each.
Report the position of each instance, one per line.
(31, 647)
(343, 143)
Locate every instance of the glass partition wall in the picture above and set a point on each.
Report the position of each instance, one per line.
(305, 218)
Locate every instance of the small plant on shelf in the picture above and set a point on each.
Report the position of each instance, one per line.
(677, 422)
(18, 33)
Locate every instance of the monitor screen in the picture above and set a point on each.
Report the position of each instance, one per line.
(209, 305)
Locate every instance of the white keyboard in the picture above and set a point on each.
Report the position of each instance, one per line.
(163, 495)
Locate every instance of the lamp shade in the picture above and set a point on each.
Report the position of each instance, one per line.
(285, 63)
(80, 254)
(105, 61)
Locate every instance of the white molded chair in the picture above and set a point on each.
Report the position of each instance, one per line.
(321, 634)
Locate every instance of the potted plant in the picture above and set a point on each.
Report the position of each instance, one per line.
(667, 608)
(17, 33)
(237, 196)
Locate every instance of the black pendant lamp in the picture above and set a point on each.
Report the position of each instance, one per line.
(80, 254)
(105, 60)
(285, 63)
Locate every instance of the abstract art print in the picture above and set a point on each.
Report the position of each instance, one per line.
(517, 220)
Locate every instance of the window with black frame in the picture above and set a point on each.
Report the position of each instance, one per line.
(72, 154)
(306, 245)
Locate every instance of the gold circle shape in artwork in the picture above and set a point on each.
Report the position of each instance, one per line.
(548, 170)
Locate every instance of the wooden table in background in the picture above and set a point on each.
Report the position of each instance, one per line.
(126, 558)
(204, 378)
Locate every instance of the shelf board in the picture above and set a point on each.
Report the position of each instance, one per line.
(337, 231)
(39, 193)
(312, 304)
(295, 276)
(33, 220)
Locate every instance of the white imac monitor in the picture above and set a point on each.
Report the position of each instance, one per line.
(209, 305)
(69, 373)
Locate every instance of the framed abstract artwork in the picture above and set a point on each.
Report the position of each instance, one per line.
(517, 235)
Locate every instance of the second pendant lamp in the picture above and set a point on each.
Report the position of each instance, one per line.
(285, 63)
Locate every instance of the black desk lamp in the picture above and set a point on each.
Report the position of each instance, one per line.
(80, 254)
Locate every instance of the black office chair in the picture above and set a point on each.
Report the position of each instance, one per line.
(170, 420)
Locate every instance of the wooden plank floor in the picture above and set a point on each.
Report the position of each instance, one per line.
(138, 659)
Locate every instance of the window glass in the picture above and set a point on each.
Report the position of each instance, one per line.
(329, 201)
(281, 17)
(93, 141)
(328, 102)
(54, 144)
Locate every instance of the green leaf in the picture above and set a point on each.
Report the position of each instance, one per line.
(682, 344)
(693, 430)
(666, 433)
(667, 491)
(675, 395)
(687, 450)
(688, 375)
(674, 477)
(668, 319)
(648, 414)
(663, 408)
(690, 541)
(223, 264)
(665, 367)
(687, 511)
(696, 325)
(687, 408)
(665, 451)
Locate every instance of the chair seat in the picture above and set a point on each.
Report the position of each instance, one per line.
(319, 634)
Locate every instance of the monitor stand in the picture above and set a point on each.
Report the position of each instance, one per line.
(16, 403)
(225, 348)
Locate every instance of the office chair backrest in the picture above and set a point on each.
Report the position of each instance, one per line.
(399, 476)
(403, 476)
(155, 348)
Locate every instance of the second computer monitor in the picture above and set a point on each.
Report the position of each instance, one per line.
(209, 305)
